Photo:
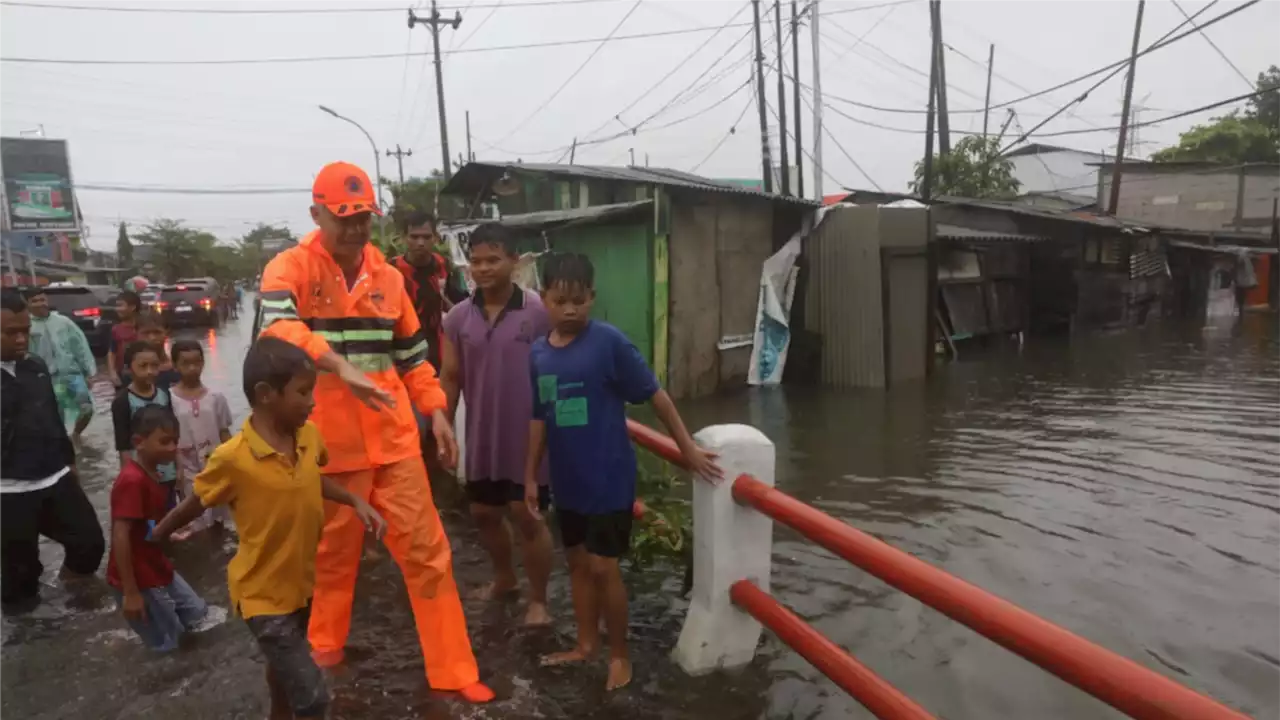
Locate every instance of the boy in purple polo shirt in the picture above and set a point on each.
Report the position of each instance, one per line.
(485, 356)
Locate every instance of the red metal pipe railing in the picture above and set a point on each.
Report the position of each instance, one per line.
(657, 443)
(882, 699)
(1122, 683)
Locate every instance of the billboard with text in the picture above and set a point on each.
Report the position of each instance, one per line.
(37, 184)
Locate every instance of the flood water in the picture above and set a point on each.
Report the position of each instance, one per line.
(1123, 486)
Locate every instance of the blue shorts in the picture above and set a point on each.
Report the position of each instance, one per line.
(171, 611)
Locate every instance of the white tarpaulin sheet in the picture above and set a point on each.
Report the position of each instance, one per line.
(773, 310)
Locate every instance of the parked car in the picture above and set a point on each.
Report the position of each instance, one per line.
(194, 304)
(84, 305)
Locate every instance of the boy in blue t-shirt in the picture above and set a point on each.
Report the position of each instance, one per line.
(142, 360)
(584, 373)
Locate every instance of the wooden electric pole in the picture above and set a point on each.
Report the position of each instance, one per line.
(435, 21)
(765, 158)
(400, 155)
(1124, 113)
(471, 157)
(785, 172)
(940, 87)
(926, 183)
(795, 89)
(817, 100)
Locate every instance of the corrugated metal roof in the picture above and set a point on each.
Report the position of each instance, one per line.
(591, 213)
(473, 176)
(955, 232)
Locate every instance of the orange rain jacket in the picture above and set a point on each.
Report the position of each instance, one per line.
(305, 301)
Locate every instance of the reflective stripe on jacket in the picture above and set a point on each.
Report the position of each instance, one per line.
(373, 325)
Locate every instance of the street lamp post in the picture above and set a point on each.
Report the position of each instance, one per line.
(377, 170)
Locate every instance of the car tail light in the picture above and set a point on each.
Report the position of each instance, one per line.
(182, 287)
(206, 303)
(160, 304)
(88, 312)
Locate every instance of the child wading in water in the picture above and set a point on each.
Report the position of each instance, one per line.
(270, 476)
(123, 334)
(151, 330)
(142, 361)
(158, 604)
(204, 419)
(584, 372)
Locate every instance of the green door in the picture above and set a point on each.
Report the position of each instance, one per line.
(624, 276)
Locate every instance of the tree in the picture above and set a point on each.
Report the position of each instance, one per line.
(1235, 138)
(974, 169)
(1230, 140)
(124, 248)
(262, 243)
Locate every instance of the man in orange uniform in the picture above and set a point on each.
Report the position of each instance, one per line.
(336, 297)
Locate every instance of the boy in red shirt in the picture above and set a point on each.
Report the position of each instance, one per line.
(158, 604)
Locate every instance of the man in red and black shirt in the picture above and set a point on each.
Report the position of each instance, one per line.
(427, 277)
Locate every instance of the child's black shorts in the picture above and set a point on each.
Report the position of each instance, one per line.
(500, 493)
(283, 639)
(605, 534)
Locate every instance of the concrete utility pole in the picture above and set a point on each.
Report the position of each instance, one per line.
(785, 179)
(944, 123)
(400, 155)
(1124, 112)
(817, 103)
(765, 158)
(795, 88)
(435, 21)
(986, 108)
(471, 157)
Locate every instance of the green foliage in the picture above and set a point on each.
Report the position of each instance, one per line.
(1248, 137)
(1230, 140)
(124, 248)
(181, 251)
(973, 169)
(665, 533)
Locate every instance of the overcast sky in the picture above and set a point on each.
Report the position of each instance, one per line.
(258, 125)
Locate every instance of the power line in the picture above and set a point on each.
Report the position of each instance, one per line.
(385, 56)
(1167, 118)
(732, 130)
(280, 11)
(1213, 44)
(168, 190)
(574, 74)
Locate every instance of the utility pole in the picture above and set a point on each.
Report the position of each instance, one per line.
(795, 88)
(400, 155)
(926, 184)
(765, 158)
(471, 157)
(632, 151)
(986, 108)
(817, 103)
(1124, 113)
(944, 124)
(435, 21)
(785, 173)
(573, 149)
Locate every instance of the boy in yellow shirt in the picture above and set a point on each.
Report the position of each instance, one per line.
(270, 475)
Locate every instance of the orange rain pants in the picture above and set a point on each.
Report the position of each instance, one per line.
(401, 493)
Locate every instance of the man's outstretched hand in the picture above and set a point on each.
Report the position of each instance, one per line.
(365, 390)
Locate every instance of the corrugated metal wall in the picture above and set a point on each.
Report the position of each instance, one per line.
(870, 295)
(624, 275)
(843, 302)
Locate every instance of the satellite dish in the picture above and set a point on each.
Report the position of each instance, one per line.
(506, 185)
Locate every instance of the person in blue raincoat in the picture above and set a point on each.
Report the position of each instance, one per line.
(58, 341)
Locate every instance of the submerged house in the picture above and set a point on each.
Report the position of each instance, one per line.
(678, 257)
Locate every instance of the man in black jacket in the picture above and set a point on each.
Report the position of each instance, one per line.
(40, 493)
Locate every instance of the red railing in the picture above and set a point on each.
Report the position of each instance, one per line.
(1119, 682)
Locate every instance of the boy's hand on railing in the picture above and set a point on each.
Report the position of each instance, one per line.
(703, 463)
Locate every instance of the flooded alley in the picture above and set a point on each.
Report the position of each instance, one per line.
(1123, 486)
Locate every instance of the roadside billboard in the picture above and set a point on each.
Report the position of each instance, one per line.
(37, 184)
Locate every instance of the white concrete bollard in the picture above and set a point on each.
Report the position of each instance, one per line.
(731, 543)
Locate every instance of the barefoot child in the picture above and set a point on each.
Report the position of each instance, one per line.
(142, 361)
(584, 372)
(158, 604)
(270, 475)
(204, 422)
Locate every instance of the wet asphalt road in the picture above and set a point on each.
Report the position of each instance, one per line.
(1124, 486)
